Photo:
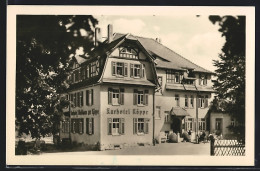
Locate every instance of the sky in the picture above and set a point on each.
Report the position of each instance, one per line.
(195, 38)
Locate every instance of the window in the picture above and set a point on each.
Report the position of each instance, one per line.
(218, 124)
(140, 97)
(158, 112)
(160, 83)
(202, 79)
(89, 97)
(119, 69)
(65, 126)
(189, 124)
(77, 125)
(137, 70)
(186, 101)
(128, 53)
(167, 116)
(116, 126)
(97, 67)
(203, 101)
(77, 99)
(82, 73)
(177, 100)
(173, 76)
(87, 72)
(116, 96)
(202, 124)
(90, 126)
(72, 100)
(169, 76)
(81, 98)
(177, 77)
(93, 68)
(141, 125)
(191, 101)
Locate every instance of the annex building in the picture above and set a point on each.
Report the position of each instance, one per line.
(130, 90)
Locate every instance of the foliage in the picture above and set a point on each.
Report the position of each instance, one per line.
(44, 45)
(173, 138)
(230, 83)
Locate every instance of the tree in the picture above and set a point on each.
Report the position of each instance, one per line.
(230, 71)
(44, 45)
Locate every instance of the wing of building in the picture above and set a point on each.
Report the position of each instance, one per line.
(132, 90)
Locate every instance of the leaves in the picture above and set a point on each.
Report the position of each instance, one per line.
(44, 44)
(231, 67)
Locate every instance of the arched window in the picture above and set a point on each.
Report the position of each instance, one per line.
(128, 52)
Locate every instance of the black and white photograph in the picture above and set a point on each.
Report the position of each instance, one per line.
(111, 85)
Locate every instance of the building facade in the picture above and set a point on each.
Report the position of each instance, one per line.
(132, 90)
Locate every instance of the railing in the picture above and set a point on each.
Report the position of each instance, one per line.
(227, 148)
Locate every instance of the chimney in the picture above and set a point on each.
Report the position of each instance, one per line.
(98, 36)
(158, 40)
(110, 33)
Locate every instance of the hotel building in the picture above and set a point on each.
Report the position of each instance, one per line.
(131, 90)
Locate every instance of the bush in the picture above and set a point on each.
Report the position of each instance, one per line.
(173, 138)
(186, 137)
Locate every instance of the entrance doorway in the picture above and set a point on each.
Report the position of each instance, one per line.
(176, 125)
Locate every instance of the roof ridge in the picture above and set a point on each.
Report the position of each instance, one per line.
(180, 55)
(168, 49)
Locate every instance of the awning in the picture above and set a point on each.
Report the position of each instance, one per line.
(179, 112)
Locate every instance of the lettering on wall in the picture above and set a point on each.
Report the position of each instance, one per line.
(127, 111)
(85, 112)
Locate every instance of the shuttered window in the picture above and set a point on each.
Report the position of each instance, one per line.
(140, 97)
(116, 126)
(119, 69)
(89, 97)
(90, 126)
(77, 125)
(116, 96)
(141, 125)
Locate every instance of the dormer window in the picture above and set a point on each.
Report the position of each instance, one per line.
(128, 52)
(202, 79)
(173, 76)
(119, 69)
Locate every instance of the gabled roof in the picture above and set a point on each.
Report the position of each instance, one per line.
(156, 49)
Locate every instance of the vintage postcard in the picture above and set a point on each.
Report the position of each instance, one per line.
(130, 85)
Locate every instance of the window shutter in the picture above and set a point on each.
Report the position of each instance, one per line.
(125, 69)
(87, 97)
(146, 129)
(199, 102)
(87, 125)
(82, 126)
(122, 125)
(81, 98)
(92, 96)
(135, 96)
(92, 126)
(109, 126)
(113, 68)
(135, 125)
(78, 99)
(143, 70)
(75, 100)
(206, 101)
(110, 94)
(131, 70)
(121, 96)
(146, 93)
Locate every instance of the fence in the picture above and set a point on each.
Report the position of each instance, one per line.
(227, 148)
